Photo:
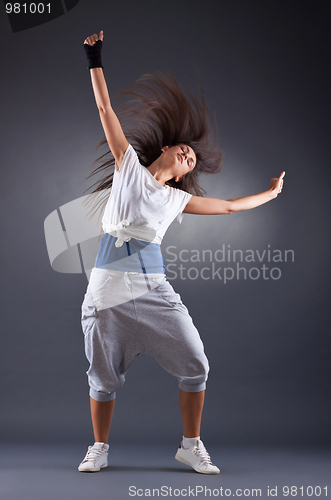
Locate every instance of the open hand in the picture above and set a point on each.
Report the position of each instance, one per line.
(276, 184)
(90, 40)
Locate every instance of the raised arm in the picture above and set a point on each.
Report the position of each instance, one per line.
(113, 131)
(215, 206)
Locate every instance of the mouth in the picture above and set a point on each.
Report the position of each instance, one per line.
(180, 157)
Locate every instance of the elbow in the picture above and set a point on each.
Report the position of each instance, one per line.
(104, 108)
(229, 209)
(225, 211)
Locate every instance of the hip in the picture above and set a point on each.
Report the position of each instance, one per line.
(111, 287)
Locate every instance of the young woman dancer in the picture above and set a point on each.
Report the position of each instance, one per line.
(130, 308)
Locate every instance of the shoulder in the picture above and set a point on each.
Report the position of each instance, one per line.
(180, 194)
(129, 160)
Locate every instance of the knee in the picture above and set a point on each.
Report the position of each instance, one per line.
(196, 375)
(203, 368)
(101, 396)
(104, 384)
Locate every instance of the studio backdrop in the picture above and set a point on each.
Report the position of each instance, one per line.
(256, 283)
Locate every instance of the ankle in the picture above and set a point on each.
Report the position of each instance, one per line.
(100, 441)
(189, 442)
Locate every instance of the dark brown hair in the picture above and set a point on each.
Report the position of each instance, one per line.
(157, 113)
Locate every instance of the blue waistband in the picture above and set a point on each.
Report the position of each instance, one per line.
(134, 255)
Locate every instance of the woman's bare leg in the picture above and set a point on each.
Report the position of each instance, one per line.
(102, 414)
(191, 405)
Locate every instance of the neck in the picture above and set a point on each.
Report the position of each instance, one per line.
(159, 172)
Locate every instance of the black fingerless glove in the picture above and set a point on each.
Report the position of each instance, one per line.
(93, 54)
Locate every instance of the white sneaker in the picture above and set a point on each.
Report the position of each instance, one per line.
(197, 457)
(95, 459)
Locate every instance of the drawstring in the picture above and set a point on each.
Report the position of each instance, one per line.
(127, 280)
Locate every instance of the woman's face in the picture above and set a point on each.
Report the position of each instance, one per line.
(182, 158)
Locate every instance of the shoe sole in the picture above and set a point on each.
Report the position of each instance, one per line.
(183, 461)
(96, 469)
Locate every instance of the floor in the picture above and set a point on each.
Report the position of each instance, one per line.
(49, 472)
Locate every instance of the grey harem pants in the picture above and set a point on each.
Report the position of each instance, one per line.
(122, 318)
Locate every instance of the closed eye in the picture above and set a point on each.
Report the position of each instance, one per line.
(190, 161)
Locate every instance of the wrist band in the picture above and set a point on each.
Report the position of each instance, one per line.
(93, 54)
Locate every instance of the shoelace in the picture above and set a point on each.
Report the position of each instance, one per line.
(203, 455)
(92, 454)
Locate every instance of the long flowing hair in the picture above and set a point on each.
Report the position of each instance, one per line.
(155, 112)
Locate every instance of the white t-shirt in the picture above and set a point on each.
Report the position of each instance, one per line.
(139, 206)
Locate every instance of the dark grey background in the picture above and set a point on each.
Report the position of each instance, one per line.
(264, 68)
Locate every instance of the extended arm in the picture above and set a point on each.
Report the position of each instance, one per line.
(113, 131)
(215, 206)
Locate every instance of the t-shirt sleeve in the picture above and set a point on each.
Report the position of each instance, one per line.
(185, 198)
(130, 159)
